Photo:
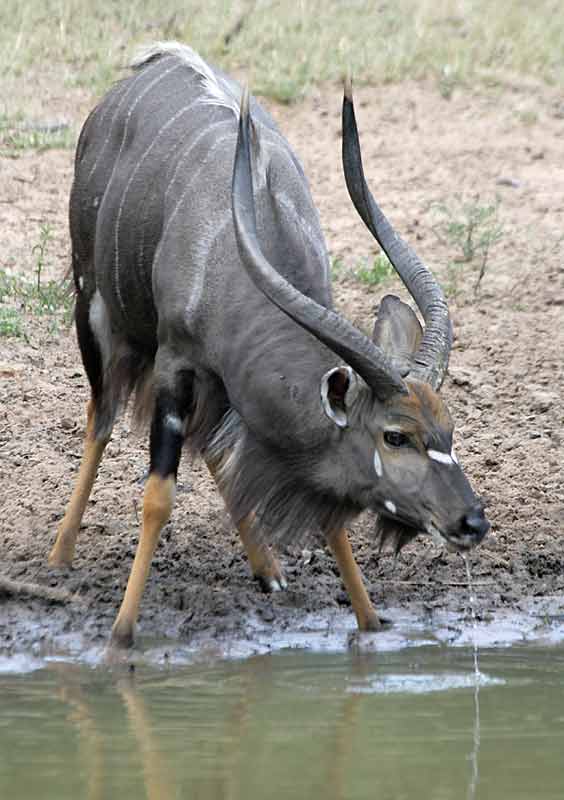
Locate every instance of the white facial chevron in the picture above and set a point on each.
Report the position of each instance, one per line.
(442, 458)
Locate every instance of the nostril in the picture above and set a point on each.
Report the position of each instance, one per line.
(474, 522)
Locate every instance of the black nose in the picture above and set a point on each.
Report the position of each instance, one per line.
(474, 523)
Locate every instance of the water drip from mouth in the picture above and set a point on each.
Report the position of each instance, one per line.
(477, 678)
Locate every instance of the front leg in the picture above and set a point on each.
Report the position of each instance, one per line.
(264, 565)
(167, 438)
(367, 618)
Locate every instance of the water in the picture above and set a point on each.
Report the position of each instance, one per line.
(477, 677)
(392, 725)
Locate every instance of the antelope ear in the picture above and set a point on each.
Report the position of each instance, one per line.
(397, 331)
(339, 389)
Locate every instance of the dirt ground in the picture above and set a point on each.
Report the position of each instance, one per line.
(505, 387)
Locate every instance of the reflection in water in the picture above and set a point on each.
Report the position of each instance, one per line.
(89, 736)
(340, 749)
(294, 725)
(229, 745)
(155, 771)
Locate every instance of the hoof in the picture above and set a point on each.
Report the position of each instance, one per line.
(271, 583)
(60, 561)
(62, 552)
(117, 656)
(121, 638)
(374, 623)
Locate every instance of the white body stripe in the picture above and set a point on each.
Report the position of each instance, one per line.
(136, 102)
(111, 125)
(205, 132)
(203, 245)
(313, 236)
(164, 128)
(193, 176)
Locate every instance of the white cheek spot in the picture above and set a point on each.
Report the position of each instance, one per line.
(453, 456)
(81, 283)
(442, 458)
(391, 507)
(173, 423)
(378, 469)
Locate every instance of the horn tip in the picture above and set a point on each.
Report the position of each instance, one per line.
(347, 86)
(244, 110)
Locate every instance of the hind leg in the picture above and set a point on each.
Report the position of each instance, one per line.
(94, 443)
(67, 532)
(264, 565)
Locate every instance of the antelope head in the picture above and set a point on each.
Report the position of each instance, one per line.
(391, 439)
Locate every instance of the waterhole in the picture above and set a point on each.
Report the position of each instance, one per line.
(396, 723)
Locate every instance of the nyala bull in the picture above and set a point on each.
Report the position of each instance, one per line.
(203, 291)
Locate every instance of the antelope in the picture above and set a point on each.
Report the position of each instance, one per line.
(203, 290)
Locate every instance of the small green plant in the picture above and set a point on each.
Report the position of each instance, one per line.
(450, 286)
(38, 297)
(528, 117)
(448, 80)
(50, 296)
(8, 285)
(10, 322)
(376, 273)
(338, 268)
(473, 229)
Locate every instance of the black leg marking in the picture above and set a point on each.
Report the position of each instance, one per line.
(168, 426)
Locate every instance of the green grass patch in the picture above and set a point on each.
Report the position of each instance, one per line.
(286, 48)
(17, 136)
(10, 322)
(373, 272)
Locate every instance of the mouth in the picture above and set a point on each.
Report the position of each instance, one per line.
(455, 543)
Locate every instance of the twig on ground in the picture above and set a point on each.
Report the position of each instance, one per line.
(9, 586)
(457, 584)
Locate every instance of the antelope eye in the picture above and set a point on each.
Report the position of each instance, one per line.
(396, 438)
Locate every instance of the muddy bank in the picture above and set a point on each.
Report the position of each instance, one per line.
(200, 595)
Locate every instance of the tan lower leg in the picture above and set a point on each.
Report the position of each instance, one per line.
(366, 616)
(63, 549)
(263, 563)
(157, 505)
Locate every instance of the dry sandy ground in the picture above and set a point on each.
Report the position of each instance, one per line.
(505, 387)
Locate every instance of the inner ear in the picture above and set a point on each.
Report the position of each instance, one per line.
(339, 388)
(397, 330)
